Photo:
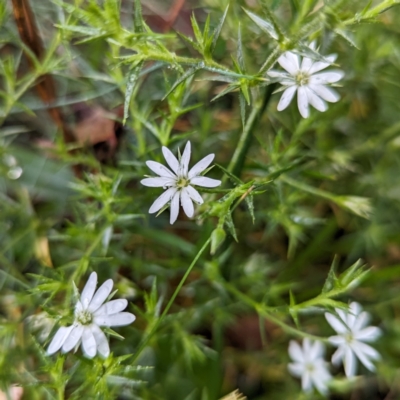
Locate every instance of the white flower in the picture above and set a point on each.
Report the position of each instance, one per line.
(352, 332)
(90, 314)
(309, 365)
(311, 87)
(179, 182)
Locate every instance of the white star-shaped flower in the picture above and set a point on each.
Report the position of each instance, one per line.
(179, 182)
(309, 365)
(311, 87)
(352, 333)
(90, 315)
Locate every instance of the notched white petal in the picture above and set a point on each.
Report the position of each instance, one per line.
(101, 295)
(187, 203)
(88, 290)
(89, 346)
(184, 165)
(201, 166)
(59, 339)
(174, 208)
(286, 97)
(101, 341)
(302, 102)
(157, 182)
(194, 195)
(171, 160)
(73, 338)
(162, 200)
(160, 169)
(205, 182)
(112, 307)
(119, 319)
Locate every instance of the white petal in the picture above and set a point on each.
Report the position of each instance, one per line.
(88, 290)
(187, 204)
(295, 351)
(160, 169)
(369, 334)
(59, 339)
(306, 383)
(302, 102)
(337, 340)
(290, 62)
(286, 97)
(317, 350)
(278, 74)
(296, 369)
(325, 93)
(194, 195)
(364, 359)
(326, 77)
(360, 347)
(205, 182)
(316, 101)
(355, 310)
(101, 341)
(162, 200)
(174, 208)
(89, 346)
(184, 165)
(170, 159)
(320, 65)
(361, 321)
(201, 166)
(337, 356)
(112, 307)
(306, 64)
(335, 323)
(120, 319)
(320, 380)
(343, 316)
(101, 295)
(73, 338)
(158, 182)
(350, 362)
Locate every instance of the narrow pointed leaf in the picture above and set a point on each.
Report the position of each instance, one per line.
(138, 17)
(187, 74)
(217, 30)
(265, 25)
(132, 79)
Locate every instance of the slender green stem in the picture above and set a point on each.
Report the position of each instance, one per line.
(154, 327)
(266, 313)
(236, 164)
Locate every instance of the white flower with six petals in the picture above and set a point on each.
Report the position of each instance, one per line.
(309, 365)
(179, 182)
(90, 315)
(352, 333)
(304, 77)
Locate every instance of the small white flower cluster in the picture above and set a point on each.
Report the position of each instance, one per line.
(303, 76)
(91, 313)
(178, 182)
(352, 333)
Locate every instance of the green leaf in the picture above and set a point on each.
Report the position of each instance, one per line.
(196, 30)
(217, 238)
(138, 17)
(332, 280)
(132, 79)
(217, 30)
(266, 25)
(348, 36)
(249, 199)
(187, 74)
(231, 226)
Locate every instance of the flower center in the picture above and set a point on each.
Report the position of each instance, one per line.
(349, 337)
(310, 367)
(84, 317)
(182, 182)
(302, 78)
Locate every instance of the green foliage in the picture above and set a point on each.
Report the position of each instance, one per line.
(295, 194)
